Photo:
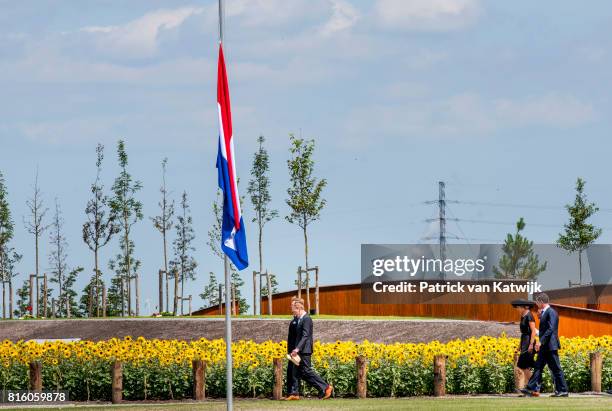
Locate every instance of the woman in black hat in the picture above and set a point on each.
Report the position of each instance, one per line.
(528, 334)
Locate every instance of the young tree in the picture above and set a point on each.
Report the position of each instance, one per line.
(23, 300)
(36, 225)
(99, 228)
(115, 298)
(519, 259)
(184, 263)
(305, 189)
(58, 255)
(163, 223)
(214, 241)
(259, 190)
(8, 259)
(119, 266)
(6, 234)
(579, 234)
(210, 295)
(273, 286)
(68, 303)
(127, 211)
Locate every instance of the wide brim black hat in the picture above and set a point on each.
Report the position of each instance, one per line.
(522, 303)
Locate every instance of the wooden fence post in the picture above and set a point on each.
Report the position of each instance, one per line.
(307, 291)
(596, 366)
(117, 382)
(234, 311)
(255, 293)
(317, 290)
(103, 300)
(45, 295)
(362, 378)
(277, 390)
(439, 375)
(269, 285)
(199, 380)
(160, 284)
(36, 376)
(32, 295)
(299, 279)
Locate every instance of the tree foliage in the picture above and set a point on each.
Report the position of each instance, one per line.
(519, 260)
(579, 234)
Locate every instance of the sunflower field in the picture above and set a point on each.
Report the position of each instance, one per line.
(161, 369)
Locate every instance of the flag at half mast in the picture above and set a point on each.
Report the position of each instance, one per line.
(233, 236)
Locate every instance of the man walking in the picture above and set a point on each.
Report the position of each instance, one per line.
(548, 353)
(300, 343)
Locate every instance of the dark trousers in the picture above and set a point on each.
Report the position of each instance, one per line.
(306, 373)
(550, 358)
(293, 384)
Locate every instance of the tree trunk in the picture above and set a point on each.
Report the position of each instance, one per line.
(161, 291)
(45, 295)
(306, 247)
(31, 294)
(37, 298)
(182, 289)
(161, 308)
(580, 266)
(269, 283)
(68, 305)
(255, 293)
(121, 282)
(10, 282)
(137, 291)
(128, 266)
(97, 274)
(59, 298)
(103, 300)
(3, 299)
(176, 282)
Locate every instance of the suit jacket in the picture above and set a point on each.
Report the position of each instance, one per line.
(292, 337)
(549, 330)
(304, 335)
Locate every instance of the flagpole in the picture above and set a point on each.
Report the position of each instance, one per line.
(228, 337)
(229, 395)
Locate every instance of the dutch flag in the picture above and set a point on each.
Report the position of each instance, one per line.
(233, 236)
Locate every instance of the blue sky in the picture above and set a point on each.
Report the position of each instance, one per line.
(508, 102)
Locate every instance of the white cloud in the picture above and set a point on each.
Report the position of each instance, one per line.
(468, 115)
(554, 109)
(344, 16)
(138, 38)
(427, 15)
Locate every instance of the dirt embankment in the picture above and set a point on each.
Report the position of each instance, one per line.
(257, 330)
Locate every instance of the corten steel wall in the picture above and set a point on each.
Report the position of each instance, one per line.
(582, 322)
(598, 297)
(346, 300)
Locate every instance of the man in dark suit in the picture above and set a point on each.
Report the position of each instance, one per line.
(293, 391)
(548, 352)
(301, 345)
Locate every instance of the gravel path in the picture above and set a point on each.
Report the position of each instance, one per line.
(256, 329)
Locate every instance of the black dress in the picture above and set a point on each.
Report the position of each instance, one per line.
(526, 358)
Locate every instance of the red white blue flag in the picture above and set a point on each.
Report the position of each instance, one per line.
(233, 236)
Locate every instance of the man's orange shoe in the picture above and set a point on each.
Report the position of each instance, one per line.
(328, 392)
(292, 397)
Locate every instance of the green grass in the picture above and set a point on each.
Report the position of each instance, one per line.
(376, 404)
